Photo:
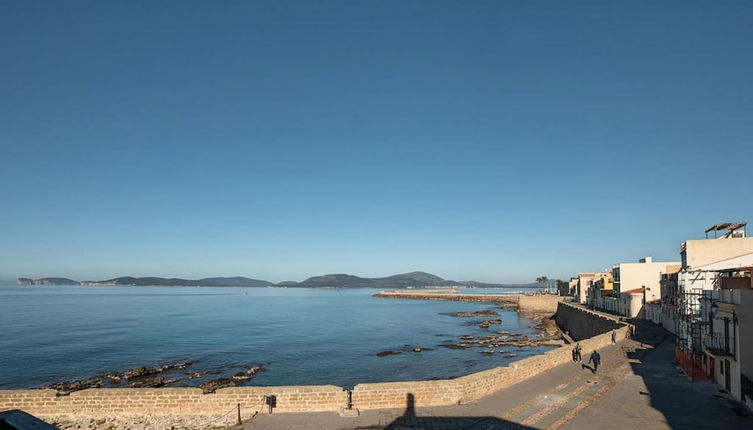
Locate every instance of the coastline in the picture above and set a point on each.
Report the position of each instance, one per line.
(181, 404)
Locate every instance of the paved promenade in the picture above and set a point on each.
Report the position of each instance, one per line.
(637, 386)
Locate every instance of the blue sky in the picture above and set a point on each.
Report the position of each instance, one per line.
(487, 140)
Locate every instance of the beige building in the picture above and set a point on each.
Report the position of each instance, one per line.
(631, 303)
(584, 283)
(702, 252)
(644, 274)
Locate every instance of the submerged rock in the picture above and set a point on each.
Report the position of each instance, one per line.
(456, 345)
(151, 382)
(66, 387)
(475, 314)
(487, 323)
(386, 353)
(216, 384)
(141, 377)
(140, 372)
(194, 375)
(113, 376)
(247, 374)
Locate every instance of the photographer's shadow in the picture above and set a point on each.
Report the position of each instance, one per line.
(409, 420)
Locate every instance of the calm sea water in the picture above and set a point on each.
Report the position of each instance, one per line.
(301, 336)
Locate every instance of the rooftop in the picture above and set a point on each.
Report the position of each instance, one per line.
(633, 291)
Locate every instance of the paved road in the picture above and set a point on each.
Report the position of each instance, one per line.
(637, 386)
(657, 395)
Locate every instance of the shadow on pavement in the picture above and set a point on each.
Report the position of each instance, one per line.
(684, 404)
(410, 421)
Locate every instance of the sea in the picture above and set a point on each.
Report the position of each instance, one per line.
(300, 336)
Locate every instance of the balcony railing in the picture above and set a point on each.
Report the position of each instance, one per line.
(720, 346)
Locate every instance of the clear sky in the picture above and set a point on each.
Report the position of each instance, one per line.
(485, 140)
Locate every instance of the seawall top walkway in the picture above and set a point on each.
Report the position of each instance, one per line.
(636, 386)
(619, 318)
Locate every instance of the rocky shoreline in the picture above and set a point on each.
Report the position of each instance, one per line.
(154, 377)
(549, 335)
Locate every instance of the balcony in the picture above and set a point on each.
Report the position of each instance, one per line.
(719, 345)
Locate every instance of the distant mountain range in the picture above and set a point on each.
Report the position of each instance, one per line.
(404, 280)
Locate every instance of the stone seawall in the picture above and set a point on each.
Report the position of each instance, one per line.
(470, 387)
(177, 402)
(582, 323)
(107, 402)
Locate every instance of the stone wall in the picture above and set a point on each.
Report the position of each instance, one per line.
(539, 303)
(582, 323)
(104, 402)
(471, 387)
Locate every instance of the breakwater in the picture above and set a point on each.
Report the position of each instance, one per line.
(521, 302)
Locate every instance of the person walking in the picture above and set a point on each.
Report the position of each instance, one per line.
(595, 359)
(577, 352)
(614, 336)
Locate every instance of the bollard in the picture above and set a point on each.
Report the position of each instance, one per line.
(239, 414)
(271, 401)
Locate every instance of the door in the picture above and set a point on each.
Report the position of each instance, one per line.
(727, 384)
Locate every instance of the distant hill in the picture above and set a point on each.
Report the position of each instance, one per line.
(338, 280)
(237, 281)
(47, 281)
(412, 279)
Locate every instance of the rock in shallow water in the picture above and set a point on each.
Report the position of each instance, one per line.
(216, 384)
(475, 314)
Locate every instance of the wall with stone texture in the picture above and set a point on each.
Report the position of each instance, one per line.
(106, 402)
(582, 323)
(471, 387)
(539, 303)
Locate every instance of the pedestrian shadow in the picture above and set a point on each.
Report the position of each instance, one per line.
(586, 366)
(411, 421)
